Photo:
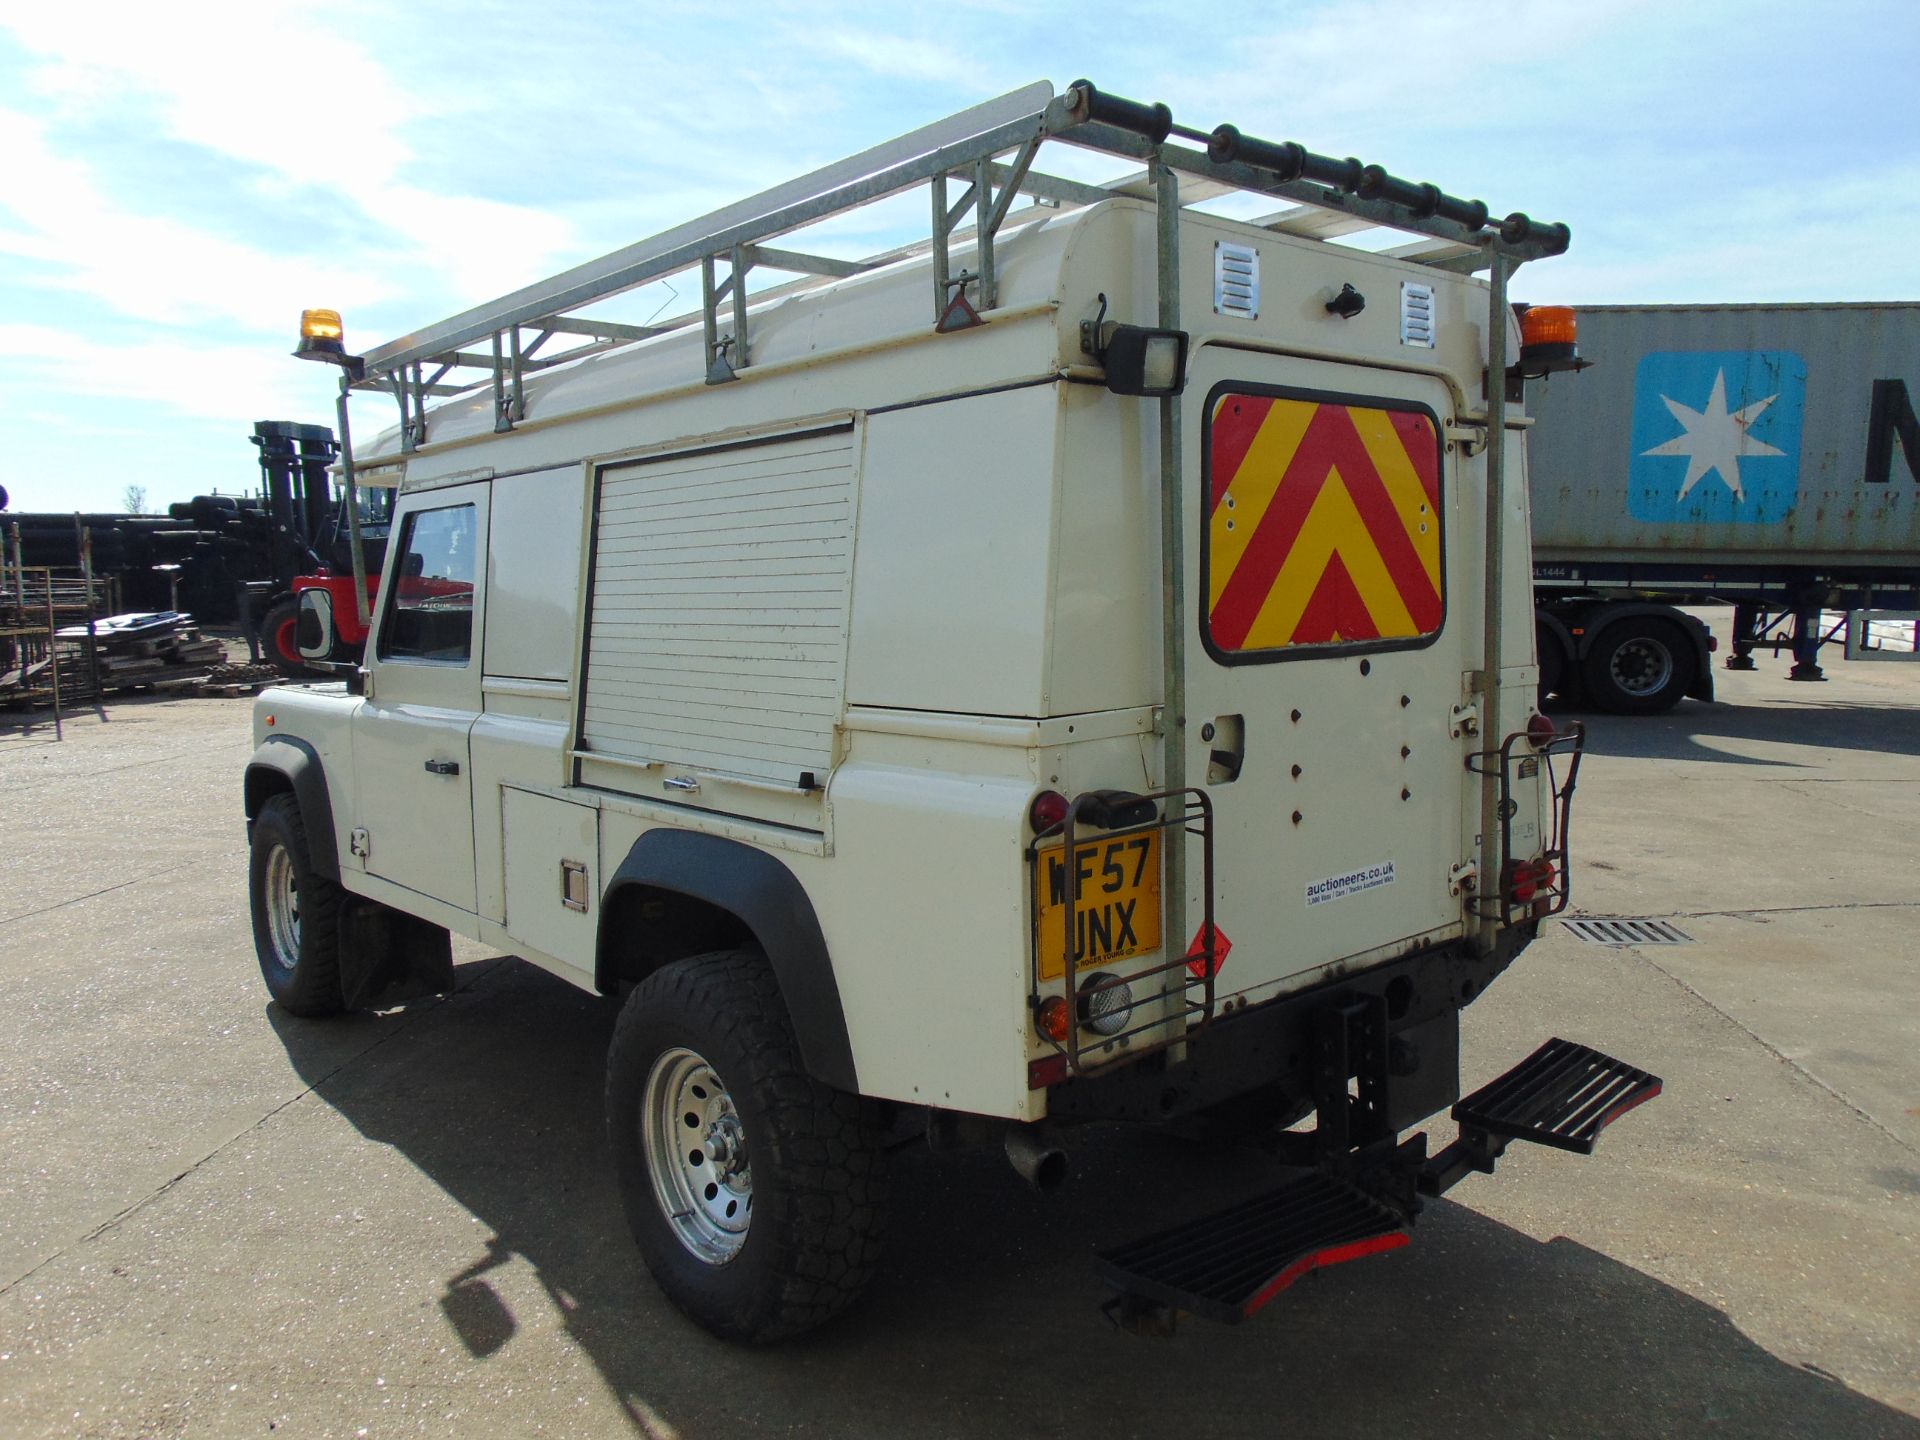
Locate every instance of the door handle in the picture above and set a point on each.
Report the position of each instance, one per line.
(443, 767)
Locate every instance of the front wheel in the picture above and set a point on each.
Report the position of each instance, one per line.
(296, 914)
(757, 1194)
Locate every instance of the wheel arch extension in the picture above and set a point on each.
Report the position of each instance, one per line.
(285, 765)
(679, 893)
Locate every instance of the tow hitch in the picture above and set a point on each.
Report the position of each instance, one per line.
(1227, 1266)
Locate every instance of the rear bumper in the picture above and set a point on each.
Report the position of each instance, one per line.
(1268, 1050)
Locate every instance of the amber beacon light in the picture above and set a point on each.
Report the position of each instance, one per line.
(323, 337)
(1549, 340)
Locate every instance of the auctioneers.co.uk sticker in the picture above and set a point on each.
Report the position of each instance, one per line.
(1338, 887)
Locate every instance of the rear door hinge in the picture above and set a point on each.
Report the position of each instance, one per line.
(361, 844)
(1471, 439)
(1465, 720)
(1463, 878)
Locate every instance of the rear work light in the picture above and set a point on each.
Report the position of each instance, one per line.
(1138, 360)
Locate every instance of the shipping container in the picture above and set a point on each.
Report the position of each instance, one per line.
(1730, 433)
(1763, 455)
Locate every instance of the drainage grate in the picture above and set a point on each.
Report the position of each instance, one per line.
(1627, 932)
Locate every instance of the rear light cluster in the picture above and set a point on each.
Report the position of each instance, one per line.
(1541, 731)
(1104, 1006)
(1532, 879)
(1048, 812)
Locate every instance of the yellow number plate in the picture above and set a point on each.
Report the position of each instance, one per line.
(1118, 915)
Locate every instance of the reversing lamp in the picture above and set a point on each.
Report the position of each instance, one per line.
(1140, 361)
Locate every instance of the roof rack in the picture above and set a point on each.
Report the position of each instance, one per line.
(1329, 197)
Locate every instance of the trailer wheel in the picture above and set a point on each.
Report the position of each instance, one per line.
(757, 1195)
(1640, 666)
(296, 914)
(280, 638)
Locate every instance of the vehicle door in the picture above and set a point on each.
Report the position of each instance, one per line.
(1324, 573)
(411, 736)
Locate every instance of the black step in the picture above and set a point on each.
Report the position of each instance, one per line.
(1227, 1265)
(1562, 1095)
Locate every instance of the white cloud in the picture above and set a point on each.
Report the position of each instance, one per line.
(266, 87)
(257, 80)
(155, 268)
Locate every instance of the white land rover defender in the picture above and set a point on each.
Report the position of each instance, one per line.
(1076, 667)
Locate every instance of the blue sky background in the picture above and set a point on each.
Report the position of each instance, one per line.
(179, 181)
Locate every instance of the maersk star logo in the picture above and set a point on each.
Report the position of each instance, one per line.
(1716, 436)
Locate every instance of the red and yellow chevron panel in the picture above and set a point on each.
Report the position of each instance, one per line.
(1325, 523)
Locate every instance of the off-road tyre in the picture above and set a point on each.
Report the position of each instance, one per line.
(817, 1162)
(1638, 666)
(299, 953)
(279, 639)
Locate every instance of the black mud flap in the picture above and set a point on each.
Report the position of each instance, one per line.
(388, 957)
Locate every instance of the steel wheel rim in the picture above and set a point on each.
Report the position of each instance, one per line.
(1641, 666)
(283, 908)
(696, 1155)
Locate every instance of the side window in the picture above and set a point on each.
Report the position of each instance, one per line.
(1323, 524)
(430, 610)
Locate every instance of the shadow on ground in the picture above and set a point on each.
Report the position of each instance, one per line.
(985, 1319)
(1689, 731)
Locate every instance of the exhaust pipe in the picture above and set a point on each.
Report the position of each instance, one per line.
(1032, 1152)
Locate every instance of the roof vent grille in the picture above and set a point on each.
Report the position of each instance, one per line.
(1602, 931)
(1416, 314)
(1236, 280)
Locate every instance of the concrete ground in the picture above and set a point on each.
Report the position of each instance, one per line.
(216, 1220)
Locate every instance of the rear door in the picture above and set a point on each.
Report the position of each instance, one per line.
(1323, 575)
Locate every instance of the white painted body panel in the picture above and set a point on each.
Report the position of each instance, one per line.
(1001, 636)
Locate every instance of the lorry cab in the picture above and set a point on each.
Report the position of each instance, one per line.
(1089, 699)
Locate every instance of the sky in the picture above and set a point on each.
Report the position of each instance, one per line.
(178, 182)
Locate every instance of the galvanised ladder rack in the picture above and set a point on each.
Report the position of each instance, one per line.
(1332, 197)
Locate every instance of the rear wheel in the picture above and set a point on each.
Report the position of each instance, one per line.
(1638, 667)
(296, 914)
(757, 1195)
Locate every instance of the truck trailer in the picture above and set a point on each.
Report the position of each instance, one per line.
(1763, 455)
(1077, 667)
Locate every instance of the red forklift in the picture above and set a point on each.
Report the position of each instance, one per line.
(310, 551)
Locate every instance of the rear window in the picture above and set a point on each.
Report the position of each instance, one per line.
(1323, 524)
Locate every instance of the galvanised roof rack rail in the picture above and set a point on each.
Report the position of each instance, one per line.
(1330, 197)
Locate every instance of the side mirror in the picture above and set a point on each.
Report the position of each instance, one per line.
(314, 630)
